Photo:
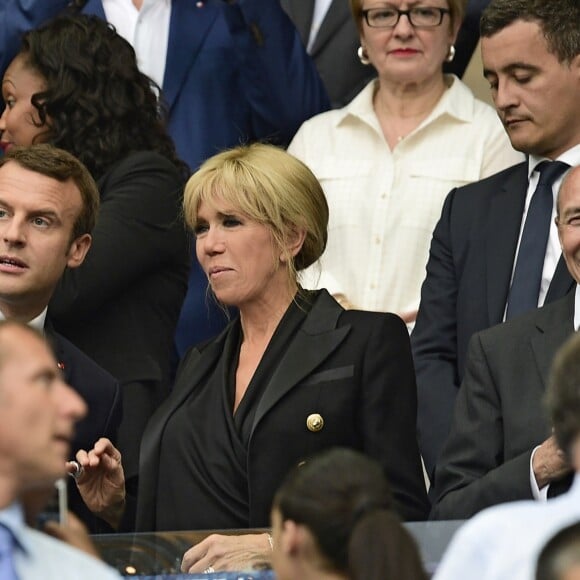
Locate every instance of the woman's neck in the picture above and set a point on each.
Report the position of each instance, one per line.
(259, 320)
(401, 108)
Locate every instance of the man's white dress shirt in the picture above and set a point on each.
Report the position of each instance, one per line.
(553, 252)
(503, 542)
(41, 557)
(147, 30)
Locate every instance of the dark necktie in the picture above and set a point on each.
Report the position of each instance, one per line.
(7, 547)
(525, 288)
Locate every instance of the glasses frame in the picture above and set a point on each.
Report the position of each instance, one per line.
(407, 13)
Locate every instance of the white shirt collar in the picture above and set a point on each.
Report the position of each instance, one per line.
(456, 102)
(37, 323)
(12, 517)
(577, 308)
(571, 157)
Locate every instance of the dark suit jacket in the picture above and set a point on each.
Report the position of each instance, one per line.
(335, 48)
(354, 368)
(121, 306)
(465, 291)
(235, 73)
(102, 395)
(499, 415)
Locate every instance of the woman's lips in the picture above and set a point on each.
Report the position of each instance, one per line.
(4, 146)
(404, 52)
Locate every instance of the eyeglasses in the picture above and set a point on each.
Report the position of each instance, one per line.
(419, 16)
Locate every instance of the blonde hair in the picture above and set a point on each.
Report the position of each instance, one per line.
(270, 187)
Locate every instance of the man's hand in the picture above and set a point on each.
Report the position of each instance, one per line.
(549, 463)
(101, 482)
(227, 553)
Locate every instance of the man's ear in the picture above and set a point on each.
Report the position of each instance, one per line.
(291, 538)
(78, 250)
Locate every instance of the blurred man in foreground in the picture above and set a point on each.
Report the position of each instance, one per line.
(38, 412)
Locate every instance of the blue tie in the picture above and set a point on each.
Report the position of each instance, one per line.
(525, 288)
(7, 547)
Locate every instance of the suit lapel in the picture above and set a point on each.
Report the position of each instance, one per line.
(338, 12)
(503, 228)
(316, 340)
(301, 12)
(555, 323)
(190, 23)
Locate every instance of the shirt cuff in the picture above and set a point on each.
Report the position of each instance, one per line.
(539, 494)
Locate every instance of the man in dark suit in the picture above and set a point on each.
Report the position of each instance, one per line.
(332, 43)
(535, 82)
(500, 447)
(505, 541)
(48, 205)
(235, 71)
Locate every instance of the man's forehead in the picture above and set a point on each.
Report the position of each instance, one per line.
(570, 193)
(15, 179)
(521, 41)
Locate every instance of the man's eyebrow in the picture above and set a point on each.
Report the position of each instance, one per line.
(571, 211)
(45, 213)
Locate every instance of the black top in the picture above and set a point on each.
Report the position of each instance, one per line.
(203, 480)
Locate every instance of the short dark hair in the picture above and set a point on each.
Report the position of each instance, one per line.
(563, 396)
(62, 166)
(558, 19)
(559, 554)
(344, 500)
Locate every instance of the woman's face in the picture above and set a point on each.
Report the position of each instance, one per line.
(17, 123)
(239, 256)
(407, 54)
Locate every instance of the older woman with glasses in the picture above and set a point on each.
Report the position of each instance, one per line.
(387, 160)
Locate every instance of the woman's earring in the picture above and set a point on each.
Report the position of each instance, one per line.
(450, 54)
(363, 56)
